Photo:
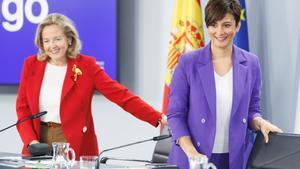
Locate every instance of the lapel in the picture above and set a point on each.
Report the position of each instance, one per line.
(206, 74)
(69, 78)
(239, 77)
(35, 83)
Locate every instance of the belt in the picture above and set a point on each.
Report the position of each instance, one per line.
(50, 124)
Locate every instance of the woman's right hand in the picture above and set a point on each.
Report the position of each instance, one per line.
(195, 154)
(34, 142)
(187, 146)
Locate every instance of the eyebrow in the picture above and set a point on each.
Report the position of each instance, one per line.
(53, 37)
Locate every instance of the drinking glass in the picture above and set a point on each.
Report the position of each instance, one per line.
(88, 162)
(200, 163)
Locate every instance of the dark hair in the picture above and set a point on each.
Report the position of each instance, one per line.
(216, 10)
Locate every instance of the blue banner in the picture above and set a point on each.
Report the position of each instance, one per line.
(94, 19)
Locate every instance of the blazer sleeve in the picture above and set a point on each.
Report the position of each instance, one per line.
(254, 107)
(178, 102)
(120, 95)
(25, 129)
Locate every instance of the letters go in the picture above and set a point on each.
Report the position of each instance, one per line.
(13, 21)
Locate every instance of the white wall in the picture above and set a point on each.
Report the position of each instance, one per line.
(142, 50)
(144, 45)
(274, 34)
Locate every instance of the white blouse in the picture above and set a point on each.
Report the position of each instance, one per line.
(51, 91)
(224, 92)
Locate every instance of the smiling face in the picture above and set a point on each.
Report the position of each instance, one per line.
(55, 44)
(222, 32)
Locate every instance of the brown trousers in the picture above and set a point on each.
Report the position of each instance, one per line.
(51, 132)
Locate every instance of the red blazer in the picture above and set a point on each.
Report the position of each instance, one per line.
(75, 109)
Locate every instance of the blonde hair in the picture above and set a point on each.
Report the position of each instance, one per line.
(69, 30)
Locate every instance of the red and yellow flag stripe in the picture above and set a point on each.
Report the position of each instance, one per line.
(186, 35)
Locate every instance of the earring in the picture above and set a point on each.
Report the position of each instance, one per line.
(70, 43)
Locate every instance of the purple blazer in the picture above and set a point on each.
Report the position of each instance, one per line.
(192, 105)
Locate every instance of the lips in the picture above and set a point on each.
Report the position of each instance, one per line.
(56, 51)
(221, 38)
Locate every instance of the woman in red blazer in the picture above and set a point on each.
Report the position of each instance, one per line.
(62, 81)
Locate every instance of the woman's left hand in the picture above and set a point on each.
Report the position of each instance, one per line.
(265, 127)
(163, 120)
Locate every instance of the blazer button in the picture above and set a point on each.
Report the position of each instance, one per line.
(244, 120)
(198, 144)
(203, 120)
(84, 129)
(170, 130)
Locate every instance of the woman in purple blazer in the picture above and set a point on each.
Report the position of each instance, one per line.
(215, 96)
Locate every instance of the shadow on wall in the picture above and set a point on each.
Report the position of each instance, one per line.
(297, 116)
(9, 89)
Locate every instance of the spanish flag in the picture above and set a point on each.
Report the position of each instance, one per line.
(186, 35)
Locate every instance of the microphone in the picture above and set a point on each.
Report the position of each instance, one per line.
(104, 159)
(30, 117)
(161, 137)
(34, 116)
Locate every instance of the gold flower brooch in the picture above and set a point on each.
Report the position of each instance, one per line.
(76, 71)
